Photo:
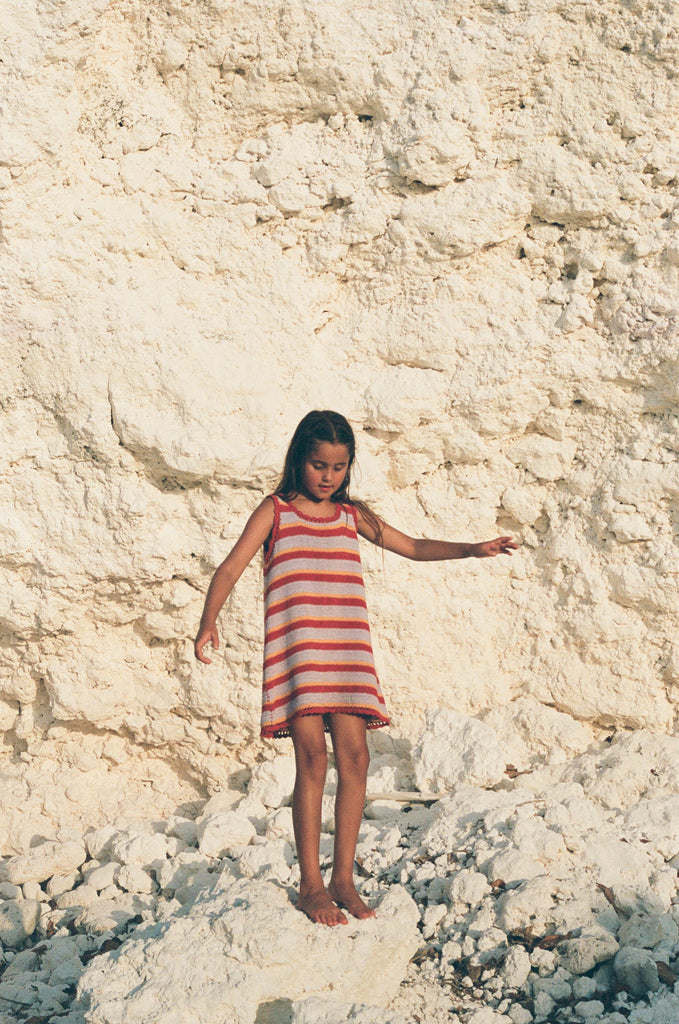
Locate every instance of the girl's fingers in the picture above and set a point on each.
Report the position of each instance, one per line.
(200, 643)
(499, 546)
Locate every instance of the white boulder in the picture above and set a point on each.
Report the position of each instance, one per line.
(637, 970)
(272, 781)
(321, 1010)
(594, 945)
(43, 861)
(224, 834)
(139, 847)
(256, 950)
(18, 921)
(455, 750)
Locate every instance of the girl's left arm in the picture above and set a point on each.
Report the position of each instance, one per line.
(424, 550)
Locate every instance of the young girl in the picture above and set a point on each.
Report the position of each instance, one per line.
(319, 673)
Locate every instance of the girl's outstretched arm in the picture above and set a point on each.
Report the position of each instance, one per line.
(424, 550)
(257, 529)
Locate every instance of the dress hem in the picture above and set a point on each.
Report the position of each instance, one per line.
(373, 721)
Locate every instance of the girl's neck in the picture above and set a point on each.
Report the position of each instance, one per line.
(322, 508)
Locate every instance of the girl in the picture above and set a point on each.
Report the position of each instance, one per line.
(319, 673)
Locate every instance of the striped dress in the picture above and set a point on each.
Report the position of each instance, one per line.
(317, 652)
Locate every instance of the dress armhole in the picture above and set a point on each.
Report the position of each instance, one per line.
(273, 536)
(354, 516)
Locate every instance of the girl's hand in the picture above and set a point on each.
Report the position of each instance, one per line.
(491, 548)
(207, 634)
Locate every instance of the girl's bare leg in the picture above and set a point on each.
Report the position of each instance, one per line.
(311, 760)
(349, 743)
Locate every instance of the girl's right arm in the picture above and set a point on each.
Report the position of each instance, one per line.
(257, 529)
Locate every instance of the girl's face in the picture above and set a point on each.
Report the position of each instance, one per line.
(325, 470)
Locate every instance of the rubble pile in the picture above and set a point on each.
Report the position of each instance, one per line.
(550, 894)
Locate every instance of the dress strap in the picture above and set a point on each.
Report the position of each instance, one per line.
(351, 510)
(273, 536)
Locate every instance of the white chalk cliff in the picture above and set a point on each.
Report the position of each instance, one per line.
(458, 224)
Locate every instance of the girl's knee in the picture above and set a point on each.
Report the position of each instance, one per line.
(353, 762)
(311, 760)
(308, 740)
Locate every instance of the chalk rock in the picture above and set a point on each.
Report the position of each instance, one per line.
(535, 839)
(24, 961)
(272, 781)
(529, 905)
(59, 884)
(223, 835)
(138, 848)
(656, 820)
(267, 860)
(110, 913)
(80, 896)
(456, 749)
(468, 886)
(101, 877)
(279, 824)
(663, 1008)
(630, 900)
(388, 773)
(185, 875)
(323, 1011)
(529, 730)
(256, 948)
(378, 810)
(9, 891)
(636, 969)
(459, 817)
(442, 217)
(32, 891)
(648, 931)
(511, 866)
(515, 967)
(548, 992)
(41, 862)
(18, 921)
(595, 945)
(589, 1009)
(133, 878)
(223, 800)
(98, 842)
(486, 1015)
(184, 829)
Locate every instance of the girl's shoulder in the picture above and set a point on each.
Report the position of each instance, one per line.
(265, 513)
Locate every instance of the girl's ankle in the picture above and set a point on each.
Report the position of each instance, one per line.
(309, 888)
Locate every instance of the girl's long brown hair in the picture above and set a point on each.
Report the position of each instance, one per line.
(316, 428)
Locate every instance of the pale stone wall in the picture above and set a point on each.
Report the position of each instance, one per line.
(457, 224)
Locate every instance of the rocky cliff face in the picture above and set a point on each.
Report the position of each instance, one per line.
(455, 223)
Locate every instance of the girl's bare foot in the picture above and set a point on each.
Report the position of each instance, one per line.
(347, 897)
(319, 908)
